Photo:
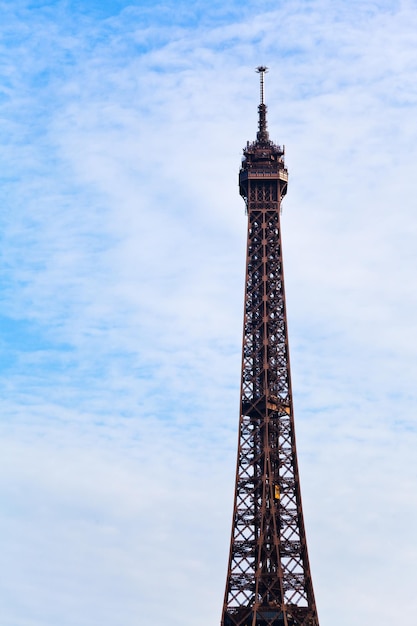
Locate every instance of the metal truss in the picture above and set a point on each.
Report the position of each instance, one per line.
(268, 581)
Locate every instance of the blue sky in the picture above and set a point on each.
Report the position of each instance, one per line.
(121, 286)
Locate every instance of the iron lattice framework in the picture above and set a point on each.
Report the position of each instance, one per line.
(268, 580)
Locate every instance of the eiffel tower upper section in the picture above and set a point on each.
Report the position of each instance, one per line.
(268, 579)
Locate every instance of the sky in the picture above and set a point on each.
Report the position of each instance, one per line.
(121, 283)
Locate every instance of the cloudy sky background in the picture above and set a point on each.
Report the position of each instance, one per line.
(122, 271)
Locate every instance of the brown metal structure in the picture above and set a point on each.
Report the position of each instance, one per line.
(268, 579)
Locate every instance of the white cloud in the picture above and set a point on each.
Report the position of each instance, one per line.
(123, 251)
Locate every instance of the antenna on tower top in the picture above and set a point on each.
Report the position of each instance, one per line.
(262, 134)
(262, 69)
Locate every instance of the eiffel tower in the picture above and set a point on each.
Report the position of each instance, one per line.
(268, 578)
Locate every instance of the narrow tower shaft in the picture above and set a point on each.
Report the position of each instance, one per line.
(268, 580)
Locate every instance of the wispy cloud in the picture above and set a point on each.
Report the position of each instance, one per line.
(123, 243)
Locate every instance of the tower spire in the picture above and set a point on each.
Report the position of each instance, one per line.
(262, 135)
